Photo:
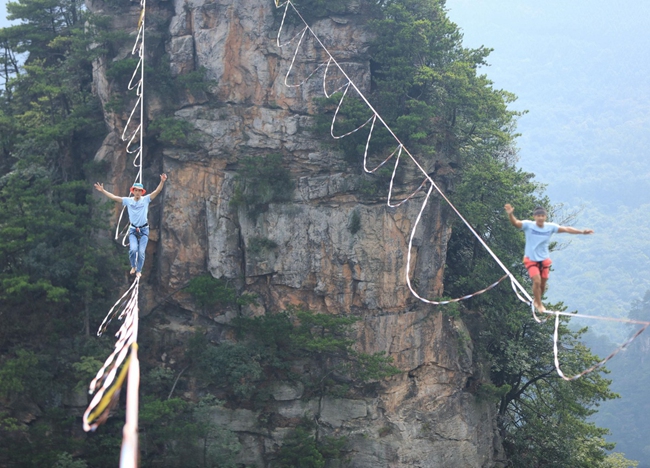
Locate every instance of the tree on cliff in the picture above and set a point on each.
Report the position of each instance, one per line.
(428, 88)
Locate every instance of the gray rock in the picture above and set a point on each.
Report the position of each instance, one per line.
(298, 408)
(283, 391)
(238, 420)
(337, 412)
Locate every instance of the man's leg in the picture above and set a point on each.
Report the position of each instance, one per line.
(544, 273)
(536, 276)
(538, 285)
(142, 247)
(133, 249)
(543, 286)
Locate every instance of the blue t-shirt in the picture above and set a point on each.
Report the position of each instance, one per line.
(537, 239)
(138, 210)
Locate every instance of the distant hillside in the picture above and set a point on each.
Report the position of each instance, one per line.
(580, 68)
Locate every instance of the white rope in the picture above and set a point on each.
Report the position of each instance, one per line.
(136, 82)
(599, 364)
(127, 309)
(518, 289)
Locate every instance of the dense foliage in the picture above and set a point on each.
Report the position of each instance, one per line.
(58, 274)
(275, 347)
(55, 275)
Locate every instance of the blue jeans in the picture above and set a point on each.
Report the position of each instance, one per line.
(137, 246)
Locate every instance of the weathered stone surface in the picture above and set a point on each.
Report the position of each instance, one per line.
(298, 408)
(284, 391)
(182, 49)
(335, 412)
(420, 418)
(252, 453)
(238, 420)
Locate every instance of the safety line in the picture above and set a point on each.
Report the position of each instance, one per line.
(518, 289)
(469, 296)
(597, 365)
(596, 317)
(557, 314)
(136, 82)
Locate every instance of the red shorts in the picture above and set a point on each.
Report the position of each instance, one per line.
(535, 267)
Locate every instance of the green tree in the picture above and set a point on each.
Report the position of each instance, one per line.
(302, 448)
(261, 181)
(268, 346)
(55, 275)
(426, 85)
(299, 449)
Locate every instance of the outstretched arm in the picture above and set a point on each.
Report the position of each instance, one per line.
(100, 188)
(163, 178)
(513, 220)
(571, 230)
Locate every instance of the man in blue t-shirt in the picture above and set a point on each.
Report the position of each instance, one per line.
(138, 208)
(536, 255)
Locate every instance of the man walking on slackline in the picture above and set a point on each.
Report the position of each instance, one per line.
(138, 208)
(536, 255)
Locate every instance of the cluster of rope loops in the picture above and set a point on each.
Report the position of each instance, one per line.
(400, 150)
(105, 386)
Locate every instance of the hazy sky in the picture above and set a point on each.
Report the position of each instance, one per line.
(556, 52)
(3, 14)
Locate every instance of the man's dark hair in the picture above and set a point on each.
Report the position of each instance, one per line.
(540, 210)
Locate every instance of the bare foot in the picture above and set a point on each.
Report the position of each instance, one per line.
(540, 307)
(138, 275)
(132, 272)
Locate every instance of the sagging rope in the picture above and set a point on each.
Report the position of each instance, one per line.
(375, 117)
(556, 359)
(124, 358)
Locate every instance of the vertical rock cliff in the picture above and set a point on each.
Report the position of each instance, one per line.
(423, 417)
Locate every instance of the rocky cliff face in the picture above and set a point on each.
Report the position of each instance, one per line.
(423, 417)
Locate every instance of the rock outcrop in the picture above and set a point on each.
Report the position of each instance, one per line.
(423, 417)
